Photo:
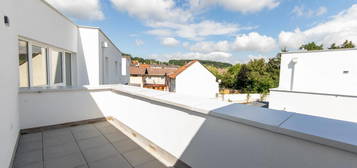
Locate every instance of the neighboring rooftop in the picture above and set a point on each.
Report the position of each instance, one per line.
(181, 69)
(151, 71)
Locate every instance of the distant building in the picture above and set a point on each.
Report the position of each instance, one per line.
(321, 83)
(195, 80)
(150, 76)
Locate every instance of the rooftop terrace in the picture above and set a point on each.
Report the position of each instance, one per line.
(177, 130)
(96, 145)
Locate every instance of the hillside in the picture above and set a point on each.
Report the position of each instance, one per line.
(179, 62)
(204, 62)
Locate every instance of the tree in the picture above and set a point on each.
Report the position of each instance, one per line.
(284, 49)
(273, 68)
(311, 46)
(347, 44)
(334, 46)
(243, 82)
(229, 77)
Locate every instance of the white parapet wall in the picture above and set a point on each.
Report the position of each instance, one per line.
(334, 106)
(203, 133)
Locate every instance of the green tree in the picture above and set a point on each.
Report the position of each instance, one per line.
(243, 81)
(347, 44)
(273, 68)
(311, 46)
(257, 76)
(334, 46)
(229, 77)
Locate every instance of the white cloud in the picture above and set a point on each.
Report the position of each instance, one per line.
(155, 10)
(322, 10)
(170, 41)
(244, 6)
(209, 46)
(245, 42)
(216, 56)
(139, 42)
(339, 28)
(254, 42)
(79, 9)
(301, 11)
(169, 19)
(160, 32)
(193, 31)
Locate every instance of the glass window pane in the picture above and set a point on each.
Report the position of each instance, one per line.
(56, 64)
(68, 69)
(123, 66)
(23, 64)
(39, 70)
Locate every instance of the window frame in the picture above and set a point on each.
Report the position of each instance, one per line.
(28, 65)
(49, 49)
(31, 44)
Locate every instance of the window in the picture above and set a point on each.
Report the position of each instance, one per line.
(23, 64)
(123, 66)
(39, 66)
(57, 67)
(68, 69)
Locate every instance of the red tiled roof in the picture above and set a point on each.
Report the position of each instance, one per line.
(155, 71)
(181, 69)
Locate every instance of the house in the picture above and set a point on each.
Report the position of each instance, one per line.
(72, 56)
(195, 80)
(150, 76)
(320, 83)
(125, 126)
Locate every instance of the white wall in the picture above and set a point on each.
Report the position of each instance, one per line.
(9, 125)
(38, 21)
(197, 81)
(201, 140)
(328, 106)
(155, 80)
(88, 57)
(41, 109)
(137, 80)
(94, 68)
(114, 72)
(320, 72)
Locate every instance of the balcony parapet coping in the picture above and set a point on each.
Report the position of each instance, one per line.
(313, 93)
(334, 133)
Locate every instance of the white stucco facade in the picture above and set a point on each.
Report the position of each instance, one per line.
(100, 58)
(37, 23)
(332, 71)
(321, 83)
(196, 81)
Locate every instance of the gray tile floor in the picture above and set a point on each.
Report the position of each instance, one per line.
(98, 145)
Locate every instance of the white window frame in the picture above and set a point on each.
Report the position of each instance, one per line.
(33, 43)
(63, 83)
(48, 48)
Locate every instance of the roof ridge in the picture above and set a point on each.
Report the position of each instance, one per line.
(182, 68)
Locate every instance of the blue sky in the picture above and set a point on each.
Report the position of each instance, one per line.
(224, 30)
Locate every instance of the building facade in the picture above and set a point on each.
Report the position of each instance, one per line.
(40, 47)
(195, 80)
(151, 76)
(321, 83)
